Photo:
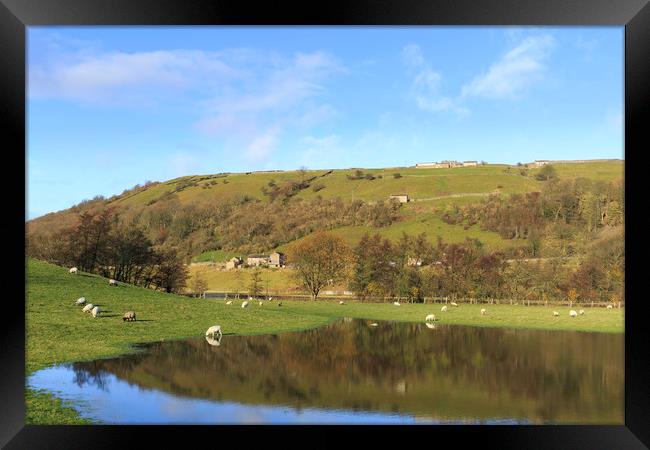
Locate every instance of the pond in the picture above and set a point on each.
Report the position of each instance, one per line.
(350, 372)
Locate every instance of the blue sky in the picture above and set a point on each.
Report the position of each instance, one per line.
(110, 107)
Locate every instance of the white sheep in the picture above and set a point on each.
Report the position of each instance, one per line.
(80, 301)
(581, 312)
(444, 308)
(112, 282)
(341, 302)
(454, 304)
(214, 329)
(261, 303)
(430, 317)
(483, 311)
(609, 306)
(244, 304)
(73, 270)
(396, 303)
(229, 302)
(556, 314)
(96, 311)
(88, 307)
(573, 313)
(270, 298)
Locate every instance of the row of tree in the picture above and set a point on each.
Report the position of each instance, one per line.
(103, 244)
(413, 269)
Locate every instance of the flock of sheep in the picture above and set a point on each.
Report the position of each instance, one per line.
(129, 316)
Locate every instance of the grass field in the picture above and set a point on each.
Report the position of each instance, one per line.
(72, 335)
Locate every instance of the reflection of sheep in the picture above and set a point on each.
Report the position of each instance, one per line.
(73, 270)
(430, 325)
(396, 303)
(374, 324)
(88, 307)
(556, 314)
(212, 341)
(129, 315)
(609, 306)
(483, 311)
(454, 304)
(444, 308)
(430, 317)
(214, 329)
(244, 304)
(95, 311)
(572, 313)
(112, 282)
(229, 302)
(581, 312)
(80, 301)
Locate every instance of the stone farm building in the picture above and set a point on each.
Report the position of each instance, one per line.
(438, 165)
(541, 162)
(234, 263)
(275, 259)
(402, 198)
(470, 163)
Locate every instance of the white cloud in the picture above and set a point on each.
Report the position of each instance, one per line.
(259, 149)
(426, 84)
(115, 77)
(516, 71)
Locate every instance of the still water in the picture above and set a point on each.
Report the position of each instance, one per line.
(350, 372)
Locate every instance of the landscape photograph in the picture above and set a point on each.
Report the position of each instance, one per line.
(325, 225)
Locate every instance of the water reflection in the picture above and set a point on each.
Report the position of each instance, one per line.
(393, 372)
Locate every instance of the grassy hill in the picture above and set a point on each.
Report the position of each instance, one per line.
(429, 190)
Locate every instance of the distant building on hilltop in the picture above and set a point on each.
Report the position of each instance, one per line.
(541, 162)
(402, 198)
(438, 165)
(470, 163)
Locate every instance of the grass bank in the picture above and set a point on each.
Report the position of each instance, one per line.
(72, 335)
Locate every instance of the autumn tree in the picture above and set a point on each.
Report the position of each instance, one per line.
(318, 260)
(255, 286)
(199, 284)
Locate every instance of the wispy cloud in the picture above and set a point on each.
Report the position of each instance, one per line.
(426, 84)
(517, 70)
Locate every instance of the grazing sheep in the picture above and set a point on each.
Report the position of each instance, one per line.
(341, 302)
(112, 282)
(454, 304)
(229, 302)
(214, 329)
(430, 317)
(572, 313)
(279, 303)
(483, 311)
(80, 301)
(88, 307)
(444, 308)
(244, 304)
(556, 314)
(396, 303)
(73, 270)
(129, 315)
(609, 306)
(95, 311)
(261, 303)
(270, 298)
(581, 312)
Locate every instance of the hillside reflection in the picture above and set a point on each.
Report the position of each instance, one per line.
(445, 373)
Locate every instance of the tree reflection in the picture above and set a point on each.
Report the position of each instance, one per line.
(454, 372)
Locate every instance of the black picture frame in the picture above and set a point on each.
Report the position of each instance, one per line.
(16, 15)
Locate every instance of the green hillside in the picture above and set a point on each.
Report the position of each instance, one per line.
(429, 191)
